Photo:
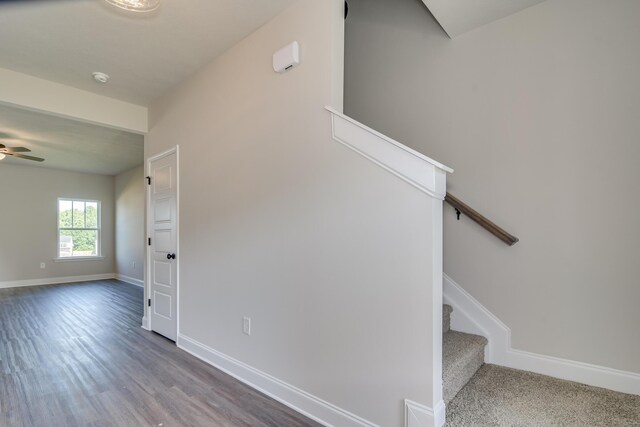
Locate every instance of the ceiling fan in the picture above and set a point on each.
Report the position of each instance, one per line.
(15, 151)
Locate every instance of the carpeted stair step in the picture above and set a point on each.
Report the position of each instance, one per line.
(462, 356)
(446, 317)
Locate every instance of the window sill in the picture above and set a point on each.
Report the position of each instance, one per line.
(79, 258)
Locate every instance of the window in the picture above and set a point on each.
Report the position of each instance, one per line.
(78, 228)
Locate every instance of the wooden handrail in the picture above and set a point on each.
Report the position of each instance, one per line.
(491, 227)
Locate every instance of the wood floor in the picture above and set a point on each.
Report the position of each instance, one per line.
(75, 355)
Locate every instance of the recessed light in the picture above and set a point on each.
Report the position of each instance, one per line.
(101, 78)
(135, 5)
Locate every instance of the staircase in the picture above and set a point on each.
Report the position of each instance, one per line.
(462, 356)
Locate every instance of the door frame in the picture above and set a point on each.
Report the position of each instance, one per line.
(146, 320)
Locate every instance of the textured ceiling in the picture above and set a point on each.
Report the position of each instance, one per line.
(145, 55)
(459, 16)
(69, 144)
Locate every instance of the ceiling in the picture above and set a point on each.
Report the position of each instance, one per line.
(69, 144)
(459, 16)
(66, 40)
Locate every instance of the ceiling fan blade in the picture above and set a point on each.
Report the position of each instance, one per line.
(16, 149)
(1, 146)
(22, 156)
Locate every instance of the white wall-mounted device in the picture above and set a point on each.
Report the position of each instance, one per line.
(286, 58)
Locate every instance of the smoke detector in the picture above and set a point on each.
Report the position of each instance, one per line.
(101, 78)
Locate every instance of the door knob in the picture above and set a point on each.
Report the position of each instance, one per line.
(171, 256)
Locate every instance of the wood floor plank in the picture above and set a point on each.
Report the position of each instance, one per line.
(75, 355)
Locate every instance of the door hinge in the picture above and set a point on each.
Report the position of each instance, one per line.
(148, 180)
(149, 241)
(149, 302)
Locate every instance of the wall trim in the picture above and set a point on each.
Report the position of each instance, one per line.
(55, 280)
(419, 415)
(472, 317)
(299, 400)
(422, 172)
(145, 324)
(130, 280)
(77, 258)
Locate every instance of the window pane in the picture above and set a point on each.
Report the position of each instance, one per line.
(78, 243)
(92, 215)
(78, 214)
(66, 244)
(64, 213)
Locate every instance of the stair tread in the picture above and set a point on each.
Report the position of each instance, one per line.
(458, 349)
(462, 356)
(446, 317)
(446, 309)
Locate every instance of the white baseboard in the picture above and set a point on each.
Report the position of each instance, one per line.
(472, 317)
(55, 280)
(311, 406)
(129, 280)
(418, 415)
(145, 323)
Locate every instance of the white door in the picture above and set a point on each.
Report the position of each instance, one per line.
(163, 232)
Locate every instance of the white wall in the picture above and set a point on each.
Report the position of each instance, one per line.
(129, 230)
(28, 213)
(538, 114)
(325, 251)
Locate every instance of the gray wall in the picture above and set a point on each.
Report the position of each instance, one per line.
(28, 212)
(130, 219)
(539, 114)
(324, 250)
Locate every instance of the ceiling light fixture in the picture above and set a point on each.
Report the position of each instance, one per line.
(135, 5)
(99, 77)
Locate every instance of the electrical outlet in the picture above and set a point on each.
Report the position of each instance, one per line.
(246, 325)
(43, 265)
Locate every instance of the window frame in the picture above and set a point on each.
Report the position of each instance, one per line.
(98, 230)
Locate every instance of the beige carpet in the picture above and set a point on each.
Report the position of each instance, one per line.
(498, 396)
